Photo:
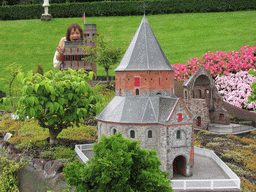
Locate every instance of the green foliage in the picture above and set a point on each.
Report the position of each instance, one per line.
(123, 8)
(14, 90)
(57, 100)
(107, 55)
(119, 165)
(8, 174)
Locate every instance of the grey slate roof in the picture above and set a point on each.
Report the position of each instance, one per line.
(144, 52)
(138, 109)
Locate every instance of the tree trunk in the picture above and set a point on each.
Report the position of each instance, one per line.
(53, 135)
(107, 75)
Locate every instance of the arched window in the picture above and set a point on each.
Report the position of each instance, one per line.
(221, 116)
(159, 93)
(199, 93)
(137, 92)
(150, 134)
(186, 94)
(114, 131)
(178, 134)
(132, 134)
(199, 121)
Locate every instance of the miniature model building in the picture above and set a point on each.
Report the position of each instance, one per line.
(203, 99)
(73, 53)
(145, 107)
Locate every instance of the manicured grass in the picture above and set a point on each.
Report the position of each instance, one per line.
(182, 36)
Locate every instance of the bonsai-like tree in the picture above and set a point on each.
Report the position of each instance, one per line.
(105, 54)
(118, 165)
(58, 100)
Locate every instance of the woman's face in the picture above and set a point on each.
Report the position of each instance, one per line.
(74, 35)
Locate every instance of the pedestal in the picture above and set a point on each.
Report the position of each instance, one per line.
(46, 17)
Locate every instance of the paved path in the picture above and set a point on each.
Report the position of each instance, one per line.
(204, 168)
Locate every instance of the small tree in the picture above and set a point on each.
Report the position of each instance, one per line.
(57, 100)
(14, 90)
(119, 165)
(105, 54)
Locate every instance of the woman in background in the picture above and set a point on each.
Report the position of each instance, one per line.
(74, 33)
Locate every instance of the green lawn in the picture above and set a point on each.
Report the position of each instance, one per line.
(182, 36)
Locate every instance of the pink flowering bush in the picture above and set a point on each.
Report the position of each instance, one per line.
(229, 69)
(219, 63)
(236, 88)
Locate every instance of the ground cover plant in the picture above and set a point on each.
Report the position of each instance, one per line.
(237, 151)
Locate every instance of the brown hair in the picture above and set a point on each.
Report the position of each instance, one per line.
(73, 26)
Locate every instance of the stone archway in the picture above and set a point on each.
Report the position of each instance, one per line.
(179, 165)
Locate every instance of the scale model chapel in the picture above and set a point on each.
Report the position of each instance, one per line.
(145, 107)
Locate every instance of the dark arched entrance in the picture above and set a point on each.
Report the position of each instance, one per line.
(199, 123)
(179, 165)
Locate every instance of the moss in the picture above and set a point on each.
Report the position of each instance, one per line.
(247, 141)
(253, 132)
(247, 186)
(219, 139)
(213, 145)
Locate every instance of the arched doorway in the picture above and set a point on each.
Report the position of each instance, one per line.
(179, 165)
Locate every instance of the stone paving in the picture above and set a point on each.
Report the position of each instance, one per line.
(204, 168)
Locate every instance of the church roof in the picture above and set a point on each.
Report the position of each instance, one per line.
(138, 109)
(144, 52)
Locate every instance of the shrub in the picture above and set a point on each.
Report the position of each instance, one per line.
(8, 173)
(119, 165)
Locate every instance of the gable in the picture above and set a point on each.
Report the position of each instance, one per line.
(180, 113)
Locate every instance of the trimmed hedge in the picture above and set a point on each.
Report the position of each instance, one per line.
(123, 8)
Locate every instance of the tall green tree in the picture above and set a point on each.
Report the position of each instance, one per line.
(121, 165)
(58, 100)
(105, 54)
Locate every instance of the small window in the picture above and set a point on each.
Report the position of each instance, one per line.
(88, 34)
(137, 92)
(221, 117)
(67, 57)
(132, 134)
(114, 131)
(159, 93)
(199, 93)
(120, 92)
(178, 134)
(150, 134)
(74, 57)
(136, 81)
(179, 116)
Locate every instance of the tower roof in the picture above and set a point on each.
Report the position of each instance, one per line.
(144, 52)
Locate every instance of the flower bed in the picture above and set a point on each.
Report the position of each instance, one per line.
(229, 69)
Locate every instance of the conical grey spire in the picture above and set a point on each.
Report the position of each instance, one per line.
(144, 52)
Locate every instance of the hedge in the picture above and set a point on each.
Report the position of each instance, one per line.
(123, 8)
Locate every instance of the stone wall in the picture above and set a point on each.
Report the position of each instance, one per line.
(39, 175)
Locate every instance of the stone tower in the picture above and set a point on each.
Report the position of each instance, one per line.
(145, 107)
